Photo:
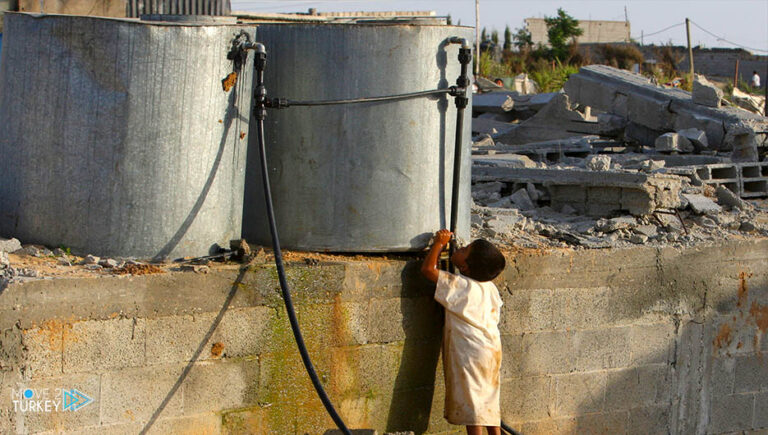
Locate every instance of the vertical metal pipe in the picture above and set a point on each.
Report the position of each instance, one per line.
(477, 38)
(465, 57)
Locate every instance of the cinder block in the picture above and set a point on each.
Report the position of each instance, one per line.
(134, 394)
(217, 385)
(43, 348)
(598, 209)
(601, 349)
(526, 398)
(97, 345)
(261, 421)
(649, 112)
(761, 411)
(579, 393)
(511, 360)
(731, 413)
(410, 410)
(565, 425)
(546, 353)
(241, 332)
(639, 386)
(602, 423)
(338, 324)
(649, 421)
(722, 379)
(652, 343)
(198, 424)
(637, 201)
(365, 370)
(400, 319)
(526, 310)
(50, 388)
(582, 308)
(751, 373)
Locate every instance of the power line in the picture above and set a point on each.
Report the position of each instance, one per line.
(725, 40)
(645, 35)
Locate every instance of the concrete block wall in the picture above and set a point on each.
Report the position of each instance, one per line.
(646, 341)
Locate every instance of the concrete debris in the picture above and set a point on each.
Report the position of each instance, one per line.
(91, 259)
(701, 204)
(521, 200)
(599, 163)
(615, 224)
(491, 127)
(591, 192)
(753, 103)
(651, 166)
(705, 92)
(533, 193)
(696, 137)
(747, 227)
(740, 139)
(485, 85)
(610, 124)
(9, 245)
(638, 239)
(505, 160)
(108, 263)
(553, 151)
(4, 262)
(494, 102)
(651, 110)
(525, 85)
(726, 197)
(673, 142)
(484, 141)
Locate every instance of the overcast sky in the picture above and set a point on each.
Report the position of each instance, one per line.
(733, 22)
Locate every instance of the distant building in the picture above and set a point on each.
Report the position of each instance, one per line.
(595, 32)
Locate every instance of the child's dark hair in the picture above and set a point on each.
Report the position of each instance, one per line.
(485, 261)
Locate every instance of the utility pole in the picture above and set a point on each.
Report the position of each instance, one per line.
(477, 38)
(641, 38)
(736, 75)
(690, 49)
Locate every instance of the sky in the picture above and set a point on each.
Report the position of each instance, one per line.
(716, 23)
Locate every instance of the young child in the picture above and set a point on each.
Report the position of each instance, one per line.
(471, 342)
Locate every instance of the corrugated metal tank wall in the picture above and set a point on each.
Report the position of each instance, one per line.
(365, 177)
(117, 138)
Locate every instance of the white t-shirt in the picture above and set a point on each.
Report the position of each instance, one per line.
(471, 349)
(755, 81)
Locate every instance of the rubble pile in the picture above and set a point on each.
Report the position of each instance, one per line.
(617, 161)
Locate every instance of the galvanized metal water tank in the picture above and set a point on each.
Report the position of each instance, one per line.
(117, 137)
(365, 177)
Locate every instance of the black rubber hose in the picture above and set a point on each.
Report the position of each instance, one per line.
(508, 429)
(261, 92)
(369, 99)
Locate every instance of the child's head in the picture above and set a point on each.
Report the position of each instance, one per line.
(480, 260)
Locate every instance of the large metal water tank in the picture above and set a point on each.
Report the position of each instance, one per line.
(365, 177)
(117, 137)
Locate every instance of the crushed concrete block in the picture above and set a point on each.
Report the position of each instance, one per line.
(730, 199)
(753, 103)
(524, 85)
(747, 227)
(673, 142)
(615, 224)
(108, 263)
(493, 186)
(4, 262)
(91, 259)
(652, 165)
(701, 204)
(522, 200)
(638, 239)
(9, 245)
(501, 224)
(476, 220)
(600, 162)
(740, 140)
(705, 92)
(610, 124)
(482, 125)
(697, 137)
(505, 202)
(649, 231)
(484, 141)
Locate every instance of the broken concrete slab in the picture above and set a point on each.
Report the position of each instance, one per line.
(673, 142)
(740, 139)
(753, 103)
(490, 126)
(504, 160)
(494, 102)
(548, 151)
(705, 92)
(556, 120)
(594, 193)
(701, 204)
(637, 99)
(615, 224)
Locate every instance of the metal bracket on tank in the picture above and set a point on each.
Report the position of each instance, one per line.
(239, 50)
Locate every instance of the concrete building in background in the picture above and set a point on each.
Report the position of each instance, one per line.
(595, 32)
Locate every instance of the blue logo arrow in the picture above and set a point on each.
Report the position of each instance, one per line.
(74, 400)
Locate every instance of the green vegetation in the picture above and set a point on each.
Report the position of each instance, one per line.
(561, 32)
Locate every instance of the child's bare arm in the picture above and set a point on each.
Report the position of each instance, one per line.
(429, 267)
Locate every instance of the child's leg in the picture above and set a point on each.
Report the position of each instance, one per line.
(474, 430)
(493, 430)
